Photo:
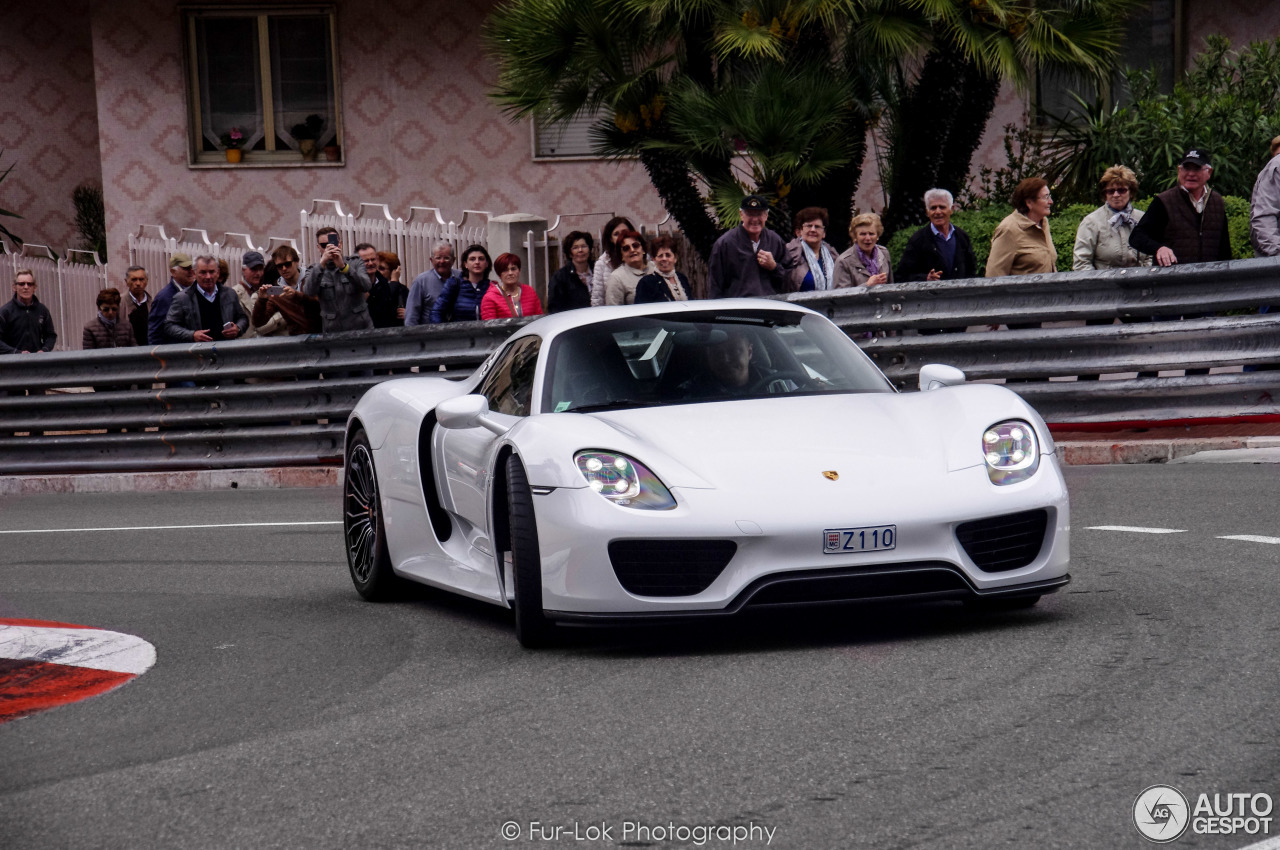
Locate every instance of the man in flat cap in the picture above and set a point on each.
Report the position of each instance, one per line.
(181, 277)
(749, 260)
(1188, 223)
(252, 267)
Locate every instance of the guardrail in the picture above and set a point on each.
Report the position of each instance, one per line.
(284, 401)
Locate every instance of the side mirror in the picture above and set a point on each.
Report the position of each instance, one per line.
(935, 376)
(467, 411)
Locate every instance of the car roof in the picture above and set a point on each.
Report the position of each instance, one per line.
(556, 323)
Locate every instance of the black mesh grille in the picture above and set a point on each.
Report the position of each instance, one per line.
(1005, 542)
(669, 567)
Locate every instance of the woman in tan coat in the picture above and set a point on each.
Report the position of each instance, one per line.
(866, 263)
(1021, 243)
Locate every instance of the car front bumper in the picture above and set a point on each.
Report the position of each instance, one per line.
(778, 541)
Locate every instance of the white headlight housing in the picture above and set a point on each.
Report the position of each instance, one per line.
(1011, 451)
(624, 481)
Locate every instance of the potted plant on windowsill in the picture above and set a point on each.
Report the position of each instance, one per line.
(231, 142)
(306, 134)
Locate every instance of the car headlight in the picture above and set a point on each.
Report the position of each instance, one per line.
(624, 481)
(1011, 451)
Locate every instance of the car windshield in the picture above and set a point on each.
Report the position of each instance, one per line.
(682, 358)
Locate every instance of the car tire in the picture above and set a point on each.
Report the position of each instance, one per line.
(1016, 603)
(363, 529)
(533, 629)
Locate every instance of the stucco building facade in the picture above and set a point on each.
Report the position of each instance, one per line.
(97, 92)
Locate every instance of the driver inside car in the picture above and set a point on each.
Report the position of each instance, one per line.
(731, 371)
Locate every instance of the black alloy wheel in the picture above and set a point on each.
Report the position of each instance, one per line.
(533, 629)
(362, 525)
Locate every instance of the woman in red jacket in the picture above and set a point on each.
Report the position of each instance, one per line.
(511, 298)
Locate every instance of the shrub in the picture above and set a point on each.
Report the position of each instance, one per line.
(1227, 104)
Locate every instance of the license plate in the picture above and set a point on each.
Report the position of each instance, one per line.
(874, 538)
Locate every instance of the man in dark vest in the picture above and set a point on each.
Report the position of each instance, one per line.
(1188, 223)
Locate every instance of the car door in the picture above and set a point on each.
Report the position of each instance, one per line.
(467, 454)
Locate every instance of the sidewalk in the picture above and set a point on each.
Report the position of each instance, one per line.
(1130, 445)
(1155, 445)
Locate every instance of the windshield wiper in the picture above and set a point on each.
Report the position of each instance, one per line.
(616, 404)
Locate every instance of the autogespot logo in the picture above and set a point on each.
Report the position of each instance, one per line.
(1160, 813)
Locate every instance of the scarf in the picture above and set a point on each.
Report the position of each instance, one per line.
(1122, 218)
(111, 323)
(673, 284)
(821, 267)
(872, 267)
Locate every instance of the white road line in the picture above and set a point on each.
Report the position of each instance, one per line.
(170, 527)
(1135, 529)
(1250, 538)
(1269, 844)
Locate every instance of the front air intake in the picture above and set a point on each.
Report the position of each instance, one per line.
(669, 567)
(1002, 543)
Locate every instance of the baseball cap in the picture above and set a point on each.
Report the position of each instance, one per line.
(754, 203)
(253, 259)
(1196, 157)
(180, 259)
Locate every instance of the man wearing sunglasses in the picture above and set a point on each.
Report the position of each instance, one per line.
(281, 310)
(26, 327)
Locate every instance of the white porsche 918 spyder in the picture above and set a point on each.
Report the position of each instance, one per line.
(696, 459)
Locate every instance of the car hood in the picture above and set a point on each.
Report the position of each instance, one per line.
(787, 441)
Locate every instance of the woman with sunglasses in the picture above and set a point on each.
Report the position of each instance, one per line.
(1102, 240)
(620, 288)
(610, 255)
(105, 330)
(509, 299)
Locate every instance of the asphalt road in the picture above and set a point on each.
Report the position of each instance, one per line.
(285, 712)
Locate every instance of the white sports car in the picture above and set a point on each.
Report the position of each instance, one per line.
(694, 459)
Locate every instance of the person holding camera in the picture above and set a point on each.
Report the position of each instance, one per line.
(341, 284)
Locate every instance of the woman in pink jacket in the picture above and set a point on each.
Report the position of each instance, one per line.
(510, 298)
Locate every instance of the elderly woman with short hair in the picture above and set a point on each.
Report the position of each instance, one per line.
(1102, 240)
(866, 263)
(812, 258)
(1021, 243)
(105, 330)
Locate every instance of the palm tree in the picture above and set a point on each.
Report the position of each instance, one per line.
(718, 98)
(937, 118)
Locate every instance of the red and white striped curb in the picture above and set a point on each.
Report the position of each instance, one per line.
(45, 664)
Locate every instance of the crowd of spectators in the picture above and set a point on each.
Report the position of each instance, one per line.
(275, 296)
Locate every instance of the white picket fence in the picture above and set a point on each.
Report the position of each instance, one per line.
(412, 238)
(151, 248)
(67, 285)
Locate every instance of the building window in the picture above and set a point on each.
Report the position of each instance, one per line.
(569, 140)
(268, 75)
(1150, 43)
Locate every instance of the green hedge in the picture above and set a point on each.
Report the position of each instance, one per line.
(981, 223)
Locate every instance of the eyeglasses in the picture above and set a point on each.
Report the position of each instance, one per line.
(633, 246)
(284, 264)
(105, 309)
(1121, 190)
(30, 283)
